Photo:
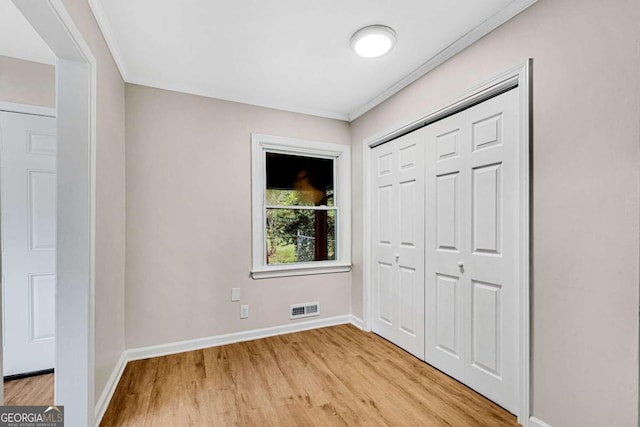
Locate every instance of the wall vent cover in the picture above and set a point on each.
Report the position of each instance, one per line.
(308, 309)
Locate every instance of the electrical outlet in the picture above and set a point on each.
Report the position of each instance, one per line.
(244, 311)
(235, 294)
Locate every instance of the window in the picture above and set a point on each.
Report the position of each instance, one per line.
(301, 207)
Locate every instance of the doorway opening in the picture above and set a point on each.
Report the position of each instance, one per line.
(74, 208)
(28, 209)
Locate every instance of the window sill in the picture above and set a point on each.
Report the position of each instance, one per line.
(298, 270)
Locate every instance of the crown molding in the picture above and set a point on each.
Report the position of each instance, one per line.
(192, 90)
(109, 37)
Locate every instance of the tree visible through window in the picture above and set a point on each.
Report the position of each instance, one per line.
(300, 209)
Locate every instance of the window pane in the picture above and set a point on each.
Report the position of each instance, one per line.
(299, 181)
(300, 235)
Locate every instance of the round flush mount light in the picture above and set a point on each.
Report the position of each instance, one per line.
(373, 41)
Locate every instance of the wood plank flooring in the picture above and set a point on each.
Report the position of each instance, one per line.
(333, 376)
(29, 391)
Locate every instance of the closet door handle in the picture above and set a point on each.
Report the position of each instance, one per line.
(461, 266)
(397, 257)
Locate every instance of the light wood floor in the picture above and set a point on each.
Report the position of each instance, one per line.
(29, 391)
(324, 377)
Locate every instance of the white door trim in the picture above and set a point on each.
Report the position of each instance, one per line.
(517, 78)
(75, 267)
(33, 110)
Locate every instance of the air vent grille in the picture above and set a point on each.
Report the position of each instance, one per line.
(297, 311)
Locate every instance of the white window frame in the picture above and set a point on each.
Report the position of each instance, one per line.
(341, 154)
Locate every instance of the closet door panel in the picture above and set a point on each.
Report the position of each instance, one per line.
(491, 254)
(471, 242)
(398, 238)
(445, 239)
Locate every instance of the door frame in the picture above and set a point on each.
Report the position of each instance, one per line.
(32, 110)
(517, 78)
(76, 76)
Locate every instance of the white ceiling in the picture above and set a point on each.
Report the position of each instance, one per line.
(286, 54)
(289, 54)
(18, 39)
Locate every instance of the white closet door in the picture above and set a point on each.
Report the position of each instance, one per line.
(398, 241)
(28, 187)
(445, 243)
(471, 277)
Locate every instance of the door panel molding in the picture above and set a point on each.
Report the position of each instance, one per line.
(517, 78)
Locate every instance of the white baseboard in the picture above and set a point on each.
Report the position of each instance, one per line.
(536, 422)
(214, 341)
(107, 393)
(357, 322)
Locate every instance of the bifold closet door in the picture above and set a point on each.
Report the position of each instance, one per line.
(398, 241)
(471, 247)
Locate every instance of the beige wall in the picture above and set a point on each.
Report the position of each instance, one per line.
(188, 204)
(26, 82)
(189, 218)
(585, 195)
(110, 198)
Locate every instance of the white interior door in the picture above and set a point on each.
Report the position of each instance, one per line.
(471, 247)
(398, 241)
(28, 189)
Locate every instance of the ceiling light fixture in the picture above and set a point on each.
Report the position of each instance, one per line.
(373, 41)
